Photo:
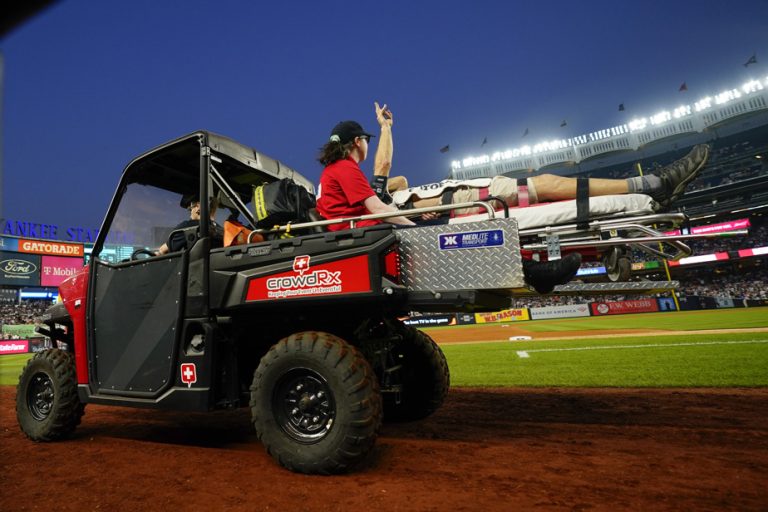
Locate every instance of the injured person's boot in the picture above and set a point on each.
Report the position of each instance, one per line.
(543, 276)
(677, 175)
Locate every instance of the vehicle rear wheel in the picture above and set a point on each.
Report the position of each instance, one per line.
(424, 377)
(315, 404)
(47, 406)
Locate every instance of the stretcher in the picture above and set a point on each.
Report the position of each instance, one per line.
(613, 227)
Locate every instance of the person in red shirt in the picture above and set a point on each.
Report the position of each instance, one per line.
(344, 190)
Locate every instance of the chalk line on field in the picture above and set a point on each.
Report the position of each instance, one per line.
(526, 353)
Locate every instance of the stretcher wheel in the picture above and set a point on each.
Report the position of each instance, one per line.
(617, 266)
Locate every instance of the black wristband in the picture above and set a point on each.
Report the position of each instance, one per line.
(379, 186)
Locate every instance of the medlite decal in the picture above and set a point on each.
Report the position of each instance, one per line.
(471, 240)
(344, 276)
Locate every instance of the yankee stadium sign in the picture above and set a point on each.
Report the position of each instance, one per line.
(25, 229)
(48, 231)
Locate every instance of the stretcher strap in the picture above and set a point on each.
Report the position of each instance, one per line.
(447, 198)
(582, 203)
(523, 198)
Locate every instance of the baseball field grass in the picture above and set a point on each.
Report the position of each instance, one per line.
(681, 358)
(729, 358)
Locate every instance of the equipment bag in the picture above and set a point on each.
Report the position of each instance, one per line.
(281, 202)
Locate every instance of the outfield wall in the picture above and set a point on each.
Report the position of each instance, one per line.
(623, 307)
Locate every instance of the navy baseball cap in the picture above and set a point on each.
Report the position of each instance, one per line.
(347, 131)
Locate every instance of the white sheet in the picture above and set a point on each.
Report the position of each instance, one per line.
(564, 212)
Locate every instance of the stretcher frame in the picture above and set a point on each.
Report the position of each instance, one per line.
(606, 237)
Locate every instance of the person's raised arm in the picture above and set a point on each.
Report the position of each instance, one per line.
(382, 162)
(374, 205)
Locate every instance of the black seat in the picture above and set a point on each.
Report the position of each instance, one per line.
(314, 216)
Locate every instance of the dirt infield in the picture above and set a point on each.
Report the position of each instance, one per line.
(486, 449)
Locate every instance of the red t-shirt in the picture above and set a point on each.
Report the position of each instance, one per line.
(343, 188)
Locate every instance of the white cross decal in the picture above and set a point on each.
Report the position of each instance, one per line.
(188, 374)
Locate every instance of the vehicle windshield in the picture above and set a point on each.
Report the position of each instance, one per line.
(144, 220)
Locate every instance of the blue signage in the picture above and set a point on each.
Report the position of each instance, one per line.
(26, 229)
(591, 271)
(472, 239)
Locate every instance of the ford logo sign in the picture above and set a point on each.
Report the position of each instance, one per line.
(18, 267)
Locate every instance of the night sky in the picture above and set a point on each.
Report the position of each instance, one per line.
(88, 85)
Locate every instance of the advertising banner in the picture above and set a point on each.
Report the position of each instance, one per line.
(52, 248)
(430, 320)
(9, 244)
(8, 296)
(569, 311)
(724, 302)
(755, 251)
(704, 258)
(591, 271)
(465, 318)
(14, 347)
(689, 303)
(667, 304)
(55, 269)
(19, 269)
(506, 315)
(714, 228)
(624, 307)
(18, 331)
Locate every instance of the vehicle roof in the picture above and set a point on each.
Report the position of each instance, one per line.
(220, 145)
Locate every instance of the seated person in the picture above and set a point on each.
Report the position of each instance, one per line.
(177, 241)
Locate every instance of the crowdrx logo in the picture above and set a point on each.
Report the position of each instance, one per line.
(302, 279)
(306, 282)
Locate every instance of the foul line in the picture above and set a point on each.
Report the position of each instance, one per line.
(525, 353)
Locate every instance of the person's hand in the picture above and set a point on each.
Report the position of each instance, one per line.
(430, 216)
(383, 115)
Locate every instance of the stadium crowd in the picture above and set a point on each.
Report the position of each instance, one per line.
(24, 313)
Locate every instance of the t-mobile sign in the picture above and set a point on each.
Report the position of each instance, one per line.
(55, 269)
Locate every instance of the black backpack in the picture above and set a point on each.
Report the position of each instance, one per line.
(281, 202)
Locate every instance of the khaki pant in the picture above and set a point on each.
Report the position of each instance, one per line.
(501, 187)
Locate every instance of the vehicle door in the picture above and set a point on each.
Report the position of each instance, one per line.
(136, 298)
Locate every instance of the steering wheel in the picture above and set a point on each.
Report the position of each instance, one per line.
(138, 252)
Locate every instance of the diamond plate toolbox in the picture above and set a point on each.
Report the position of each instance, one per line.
(468, 256)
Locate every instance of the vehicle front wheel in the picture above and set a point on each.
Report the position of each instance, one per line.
(47, 406)
(315, 404)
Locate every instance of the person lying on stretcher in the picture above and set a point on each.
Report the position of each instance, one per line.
(345, 192)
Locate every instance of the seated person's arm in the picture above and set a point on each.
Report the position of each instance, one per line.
(374, 205)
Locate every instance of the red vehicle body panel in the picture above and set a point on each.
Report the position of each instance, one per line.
(73, 292)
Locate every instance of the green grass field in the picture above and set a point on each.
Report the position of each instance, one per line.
(675, 360)
(701, 360)
(10, 368)
(715, 360)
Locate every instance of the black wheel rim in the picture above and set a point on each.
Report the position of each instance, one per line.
(303, 405)
(40, 396)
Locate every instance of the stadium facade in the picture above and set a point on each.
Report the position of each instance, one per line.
(709, 119)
